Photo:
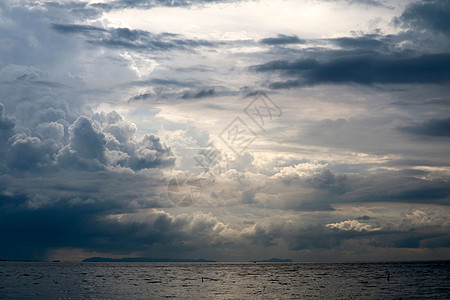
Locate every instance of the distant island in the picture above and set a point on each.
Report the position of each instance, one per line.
(18, 260)
(274, 260)
(147, 259)
(144, 259)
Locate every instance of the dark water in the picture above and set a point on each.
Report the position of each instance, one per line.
(224, 280)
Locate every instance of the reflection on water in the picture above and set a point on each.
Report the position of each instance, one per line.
(130, 281)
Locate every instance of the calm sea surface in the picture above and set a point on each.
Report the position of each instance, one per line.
(130, 281)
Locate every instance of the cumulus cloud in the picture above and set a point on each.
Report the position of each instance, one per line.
(351, 225)
(28, 153)
(99, 143)
(112, 144)
(86, 141)
(52, 130)
(59, 158)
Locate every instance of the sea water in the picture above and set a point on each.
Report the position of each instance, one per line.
(38, 280)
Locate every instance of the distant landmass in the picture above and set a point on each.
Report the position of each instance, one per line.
(19, 260)
(274, 260)
(144, 259)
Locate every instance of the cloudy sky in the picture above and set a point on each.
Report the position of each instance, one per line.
(229, 130)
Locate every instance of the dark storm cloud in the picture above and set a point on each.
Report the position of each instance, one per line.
(130, 39)
(432, 15)
(364, 69)
(91, 224)
(71, 222)
(282, 39)
(437, 128)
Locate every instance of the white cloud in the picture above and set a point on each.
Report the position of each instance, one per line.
(257, 19)
(352, 225)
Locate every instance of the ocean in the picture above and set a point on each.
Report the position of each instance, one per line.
(41, 280)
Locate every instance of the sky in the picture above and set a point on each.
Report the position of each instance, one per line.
(314, 130)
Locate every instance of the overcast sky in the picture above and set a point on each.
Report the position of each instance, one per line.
(228, 130)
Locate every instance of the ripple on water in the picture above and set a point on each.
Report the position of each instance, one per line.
(222, 281)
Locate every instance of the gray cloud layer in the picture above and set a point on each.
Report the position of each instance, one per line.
(373, 58)
(129, 39)
(362, 69)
